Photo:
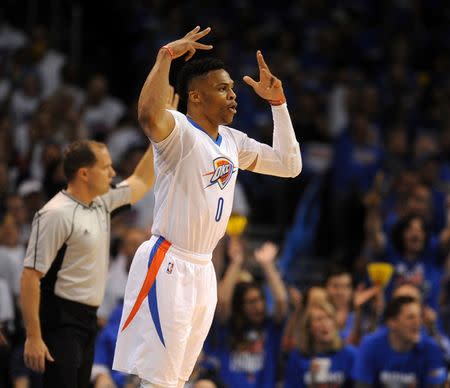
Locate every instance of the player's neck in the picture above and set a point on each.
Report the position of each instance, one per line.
(204, 124)
(80, 193)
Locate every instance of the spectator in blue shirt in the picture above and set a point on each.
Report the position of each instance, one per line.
(400, 355)
(322, 357)
(430, 318)
(414, 253)
(244, 343)
(339, 286)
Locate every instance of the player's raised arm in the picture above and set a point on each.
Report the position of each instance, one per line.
(283, 158)
(156, 122)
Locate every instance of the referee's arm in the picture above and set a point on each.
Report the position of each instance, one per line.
(36, 352)
(142, 178)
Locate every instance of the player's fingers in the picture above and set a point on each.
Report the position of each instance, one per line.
(201, 34)
(41, 364)
(27, 362)
(261, 62)
(250, 81)
(31, 362)
(32, 365)
(192, 32)
(48, 356)
(202, 46)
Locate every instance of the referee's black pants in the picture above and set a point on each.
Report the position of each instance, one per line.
(69, 331)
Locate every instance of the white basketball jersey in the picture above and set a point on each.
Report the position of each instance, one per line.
(195, 179)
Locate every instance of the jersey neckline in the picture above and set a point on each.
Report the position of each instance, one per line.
(218, 141)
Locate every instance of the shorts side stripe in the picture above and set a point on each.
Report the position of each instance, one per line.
(156, 258)
(153, 305)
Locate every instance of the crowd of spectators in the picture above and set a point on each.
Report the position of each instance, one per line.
(368, 88)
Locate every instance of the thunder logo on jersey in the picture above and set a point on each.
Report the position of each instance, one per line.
(223, 170)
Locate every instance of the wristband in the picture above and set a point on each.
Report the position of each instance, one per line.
(170, 50)
(281, 101)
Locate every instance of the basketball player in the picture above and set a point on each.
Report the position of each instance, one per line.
(171, 290)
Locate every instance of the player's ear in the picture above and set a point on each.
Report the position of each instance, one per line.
(194, 95)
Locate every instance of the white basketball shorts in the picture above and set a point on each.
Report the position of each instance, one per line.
(169, 306)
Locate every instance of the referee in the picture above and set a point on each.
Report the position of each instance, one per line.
(66, 263)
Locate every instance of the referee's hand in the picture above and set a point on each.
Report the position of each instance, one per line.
(35, 354)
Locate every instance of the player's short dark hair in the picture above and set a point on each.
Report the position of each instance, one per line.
(193, 69)
(77, 155)
(395, 305)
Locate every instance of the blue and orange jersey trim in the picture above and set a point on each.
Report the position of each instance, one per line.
(148, 288)
(218, 141)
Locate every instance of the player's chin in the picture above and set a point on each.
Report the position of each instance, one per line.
(228, 118)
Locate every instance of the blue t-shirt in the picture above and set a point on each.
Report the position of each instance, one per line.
(347, 329)
(423, 272)
(298, 373)
(381, 366)
(251, 366)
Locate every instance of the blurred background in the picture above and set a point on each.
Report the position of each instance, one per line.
(368, 88)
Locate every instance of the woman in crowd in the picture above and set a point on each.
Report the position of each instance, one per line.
(244, 343)
(321, 357)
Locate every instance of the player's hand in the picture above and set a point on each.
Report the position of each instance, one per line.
(36, 353)
(268, 87)
(188, 43)
(266, 253)
(173, 99)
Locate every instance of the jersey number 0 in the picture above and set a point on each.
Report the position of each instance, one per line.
(219, 209)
